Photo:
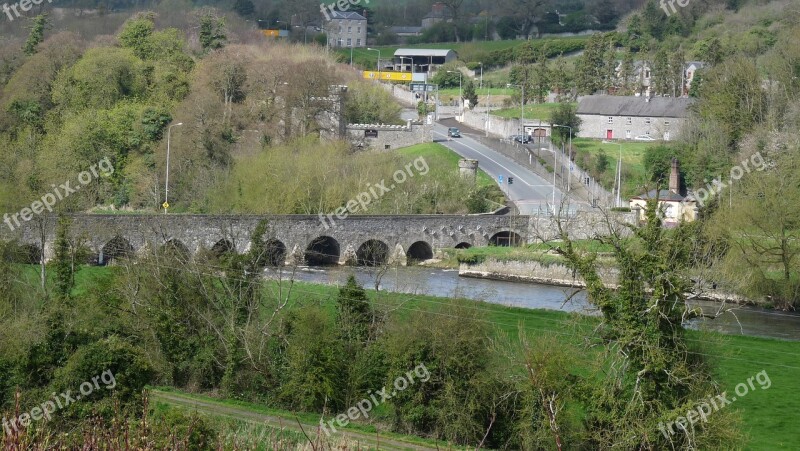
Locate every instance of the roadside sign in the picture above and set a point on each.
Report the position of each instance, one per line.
(165, 205)
(387, 75)
(422, 87)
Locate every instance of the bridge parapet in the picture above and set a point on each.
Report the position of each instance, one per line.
(307, 237)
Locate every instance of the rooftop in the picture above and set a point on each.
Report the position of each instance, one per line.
(424, 52)
(350, 15)
(663, 195)
(606, 105)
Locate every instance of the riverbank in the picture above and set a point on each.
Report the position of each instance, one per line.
(538, 264)
(558, 274)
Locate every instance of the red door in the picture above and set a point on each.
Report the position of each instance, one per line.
(609, 134)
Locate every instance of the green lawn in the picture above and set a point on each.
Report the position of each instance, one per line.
(633, 172)
(538, 111)
(769, 415)
(439, 155)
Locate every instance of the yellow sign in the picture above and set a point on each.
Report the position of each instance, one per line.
(272, 33)
(165, 205)
(388, 76)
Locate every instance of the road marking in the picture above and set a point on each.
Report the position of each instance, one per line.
(493, 161)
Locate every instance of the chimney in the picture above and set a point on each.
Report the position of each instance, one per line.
(675, 177)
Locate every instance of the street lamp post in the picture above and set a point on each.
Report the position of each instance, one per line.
(481, 83)
(378, 64)
(166, 183)
(460, 95)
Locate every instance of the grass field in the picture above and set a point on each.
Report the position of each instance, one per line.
(769, 415)
(538, 111)
(438, 154)
(633, 171)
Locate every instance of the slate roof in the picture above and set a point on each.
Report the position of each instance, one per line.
(347, 15)
(606, 105)
(663, 195)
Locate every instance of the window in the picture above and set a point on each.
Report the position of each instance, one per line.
(647, 73)
(666, 123)
(610, 119)
(629, 121)
(627, 134)
(647, 120)
(349, 29)
(349, 42)
(358, 42)
(359, 30)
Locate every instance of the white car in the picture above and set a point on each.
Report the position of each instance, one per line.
(644, 138)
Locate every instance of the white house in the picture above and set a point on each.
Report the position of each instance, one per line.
(632, 117)
(346, 29)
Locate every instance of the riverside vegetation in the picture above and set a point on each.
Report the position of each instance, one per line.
(211, 324)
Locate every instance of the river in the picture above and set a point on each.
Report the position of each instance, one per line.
(740, 320)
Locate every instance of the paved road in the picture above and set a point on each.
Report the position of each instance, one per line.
(530, 192)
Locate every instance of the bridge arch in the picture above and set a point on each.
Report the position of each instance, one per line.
(372, 253)
(177, 249)
(115, 248)
(419, 251)
(276, 252)
(506, 238)
(322, 251)
(463, 245)
(222, 247)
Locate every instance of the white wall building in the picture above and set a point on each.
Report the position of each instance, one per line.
(346, 29)
(629, 117)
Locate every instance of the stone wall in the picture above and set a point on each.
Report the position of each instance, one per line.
(389, 136)
(535, 272)
(297, 233)
(499, 126)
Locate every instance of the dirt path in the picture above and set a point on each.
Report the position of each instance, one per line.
(242, 414)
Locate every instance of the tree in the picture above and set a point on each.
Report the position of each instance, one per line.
(525, 13)
(63, 262)
(626, 72)
(212, 31)
(661, 72)
(244, 8)
(642, 329)
(136, 35)
(762, 226)
(602, 162)
(565, 114)
(469, 94)
(36, 36)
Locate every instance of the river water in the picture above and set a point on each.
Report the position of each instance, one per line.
(738, 320)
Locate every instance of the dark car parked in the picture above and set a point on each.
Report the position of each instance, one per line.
(453, 132)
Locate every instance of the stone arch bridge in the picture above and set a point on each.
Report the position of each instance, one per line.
(304, 239)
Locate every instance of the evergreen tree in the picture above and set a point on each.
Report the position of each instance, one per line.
(354, 312)
(36, 36)
(469, 94)
(63, 262)
(212, 32)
